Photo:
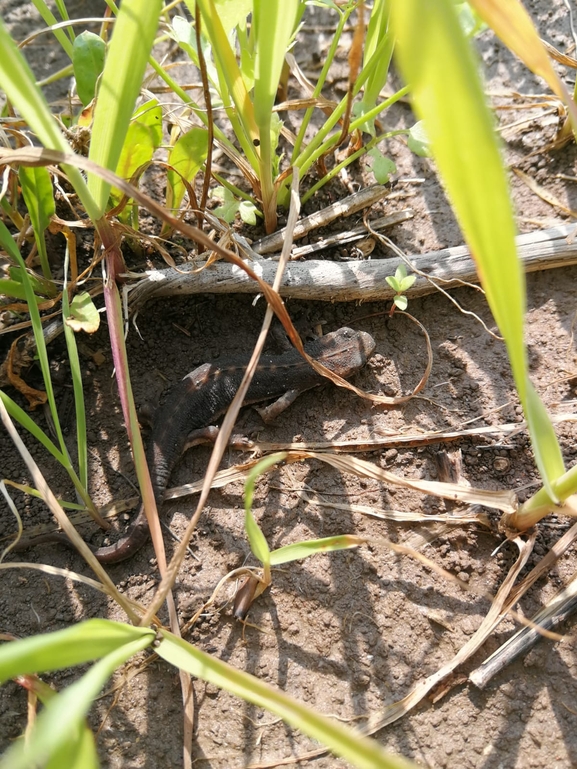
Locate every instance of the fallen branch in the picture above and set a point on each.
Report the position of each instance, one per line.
(352, 280)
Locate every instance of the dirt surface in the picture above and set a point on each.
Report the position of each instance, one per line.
(351, 632)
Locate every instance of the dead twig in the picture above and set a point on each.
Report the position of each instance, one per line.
(550, 617)
(355, 280)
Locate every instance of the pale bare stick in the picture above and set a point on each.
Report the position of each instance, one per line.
(354, 280)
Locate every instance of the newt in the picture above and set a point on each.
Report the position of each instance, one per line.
(193, 404)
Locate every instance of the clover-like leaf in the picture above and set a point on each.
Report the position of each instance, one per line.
(418, 141)
(83, 314)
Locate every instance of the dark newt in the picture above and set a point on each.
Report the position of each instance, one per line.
(195, 402)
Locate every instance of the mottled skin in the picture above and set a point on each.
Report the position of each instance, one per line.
(195, 402)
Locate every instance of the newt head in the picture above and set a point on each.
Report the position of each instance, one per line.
(345, 351)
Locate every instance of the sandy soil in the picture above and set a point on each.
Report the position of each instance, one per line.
(348, 633)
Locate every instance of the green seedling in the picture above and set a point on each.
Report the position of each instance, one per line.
(400, 282)
(381, 166)
(257, 583)
(231, 206)
(244, 63)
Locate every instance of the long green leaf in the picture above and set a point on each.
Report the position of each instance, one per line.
(329, 58)
(128, 52)
(41, 352)
(76, 373)
(50, 21)
(378, 46)
(76, 645)
(78, 751)
(304, 549)
(60, 453)
(539, 505)
(64, 715)
(258, 543)
(377, 53)
(360, 751)
(232, 85)
(39, 198)
(437, 62)
(274, 26)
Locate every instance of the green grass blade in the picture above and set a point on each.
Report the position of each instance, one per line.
(18, 83)
(466, 150)
(539, 505)
(76, 373)
(231, 81)
(274, 25)
(61, 453)
(329, 59)
(41, 350)
(377, 54)
(378, 46)
(64, 715)
(361, 752)
(50, 21)
(38, 495)
(437, 62)
(299, 550)
(38, 195)
(77, 752)
(130, 46)
(258, 543)
(62, 10)
(75, 645)
(183, 35)
(29, 424)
